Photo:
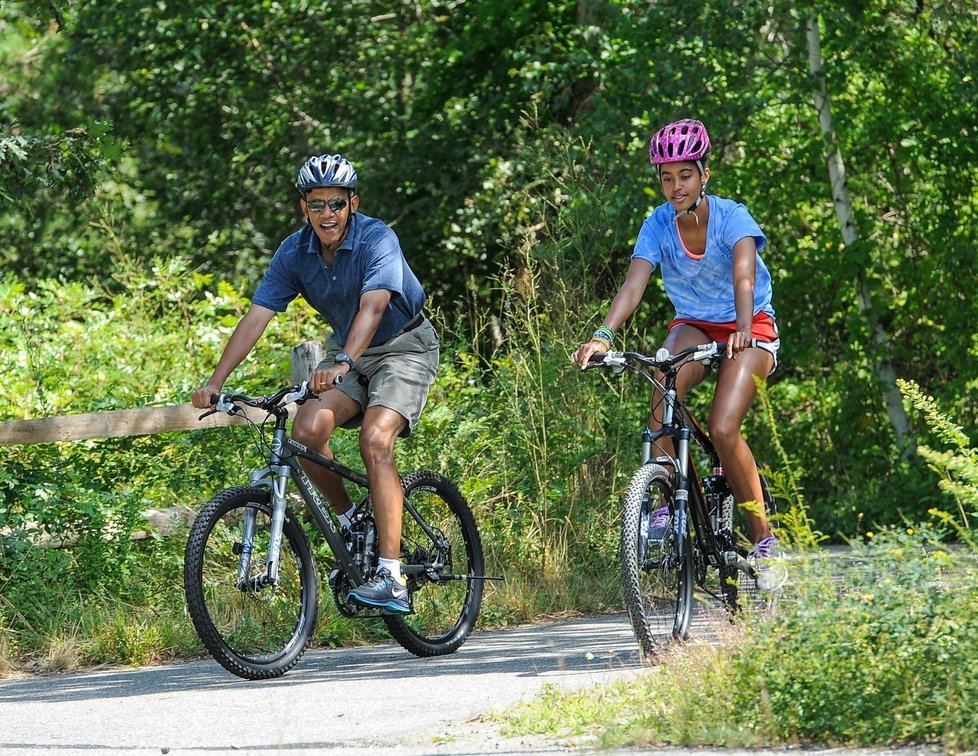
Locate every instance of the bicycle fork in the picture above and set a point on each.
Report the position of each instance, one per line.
(278, 485)
(680, 464)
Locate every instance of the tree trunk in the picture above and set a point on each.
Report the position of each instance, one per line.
(843, 211)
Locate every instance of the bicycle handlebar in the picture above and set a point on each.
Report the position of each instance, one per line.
(274, 403)
(663, 360)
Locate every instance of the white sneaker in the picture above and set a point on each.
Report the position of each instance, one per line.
(769, 563)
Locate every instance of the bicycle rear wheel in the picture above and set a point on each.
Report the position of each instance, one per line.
(657, 581)
(440, 534)
(253, 629)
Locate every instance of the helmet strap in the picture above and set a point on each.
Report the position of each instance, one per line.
(691, 210)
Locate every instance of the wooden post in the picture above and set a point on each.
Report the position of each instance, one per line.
(304, 358)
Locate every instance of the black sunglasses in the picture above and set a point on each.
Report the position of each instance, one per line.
(336, 204)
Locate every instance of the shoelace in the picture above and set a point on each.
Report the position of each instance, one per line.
(763, 548)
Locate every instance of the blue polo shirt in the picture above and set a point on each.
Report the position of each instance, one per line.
(370, 258)
(701, 287)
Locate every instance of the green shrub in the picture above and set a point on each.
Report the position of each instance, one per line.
(883, 656)
(868, 646)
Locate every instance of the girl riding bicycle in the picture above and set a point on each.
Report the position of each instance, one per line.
(707, 248)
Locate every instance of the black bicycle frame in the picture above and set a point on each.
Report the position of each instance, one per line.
(284, 464)
(681, 426)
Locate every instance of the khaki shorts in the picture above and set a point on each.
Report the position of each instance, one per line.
(396, 374)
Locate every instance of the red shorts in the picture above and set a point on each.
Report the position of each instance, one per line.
(763, 328)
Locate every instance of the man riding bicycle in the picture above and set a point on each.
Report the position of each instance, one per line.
(381, 355)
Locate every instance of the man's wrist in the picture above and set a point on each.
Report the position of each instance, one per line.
(344, 358)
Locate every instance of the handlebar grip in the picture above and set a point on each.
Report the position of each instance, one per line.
(213, 411)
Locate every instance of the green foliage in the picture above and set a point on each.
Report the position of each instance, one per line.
(191, 120)
(958, 465)
(149, 338)
(900, 670)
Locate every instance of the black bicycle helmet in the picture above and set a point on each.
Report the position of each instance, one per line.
(327, 170)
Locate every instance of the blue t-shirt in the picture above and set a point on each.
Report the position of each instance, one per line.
(702, 288)
(370, 258)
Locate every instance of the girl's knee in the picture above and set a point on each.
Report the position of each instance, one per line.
(726, 436)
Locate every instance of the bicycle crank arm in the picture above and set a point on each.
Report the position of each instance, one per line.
(733, 559)
(434, 574)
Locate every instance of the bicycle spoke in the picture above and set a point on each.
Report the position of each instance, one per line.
(254, 629)
(438, 539)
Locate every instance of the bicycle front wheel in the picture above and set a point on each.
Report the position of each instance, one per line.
(253, 628)
(442, 553)
(657, 580)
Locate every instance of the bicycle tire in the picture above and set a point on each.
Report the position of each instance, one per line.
(657, 582)
(444, 611)
(257, 632)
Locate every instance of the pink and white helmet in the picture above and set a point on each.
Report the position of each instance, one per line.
(680, 141)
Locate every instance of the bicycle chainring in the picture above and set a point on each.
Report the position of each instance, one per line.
(340, 586)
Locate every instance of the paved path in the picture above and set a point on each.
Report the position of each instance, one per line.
(367, 700)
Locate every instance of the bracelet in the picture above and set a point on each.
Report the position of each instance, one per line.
(603, 333)
(603, 341)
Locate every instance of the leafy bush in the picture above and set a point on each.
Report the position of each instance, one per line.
(867, 646)
(68, 348)
(873, 647)
(958, 464)
(899, 669)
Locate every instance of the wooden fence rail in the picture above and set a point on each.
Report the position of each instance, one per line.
(136, 422)
(142, 421)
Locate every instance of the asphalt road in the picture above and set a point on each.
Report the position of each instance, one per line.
(379, 699)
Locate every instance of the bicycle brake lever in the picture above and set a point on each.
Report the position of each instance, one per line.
(299, 396)
(223, 405)
(613, 360)
(220, 405)
(706, 352)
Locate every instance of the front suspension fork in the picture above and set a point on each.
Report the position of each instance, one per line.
(247, 547)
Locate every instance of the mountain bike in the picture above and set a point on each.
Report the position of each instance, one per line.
(705, 543)
(250, 576)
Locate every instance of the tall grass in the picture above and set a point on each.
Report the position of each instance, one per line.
(867, 648)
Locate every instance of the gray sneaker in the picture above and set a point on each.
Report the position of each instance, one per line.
(382, 591)
(769, 562)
